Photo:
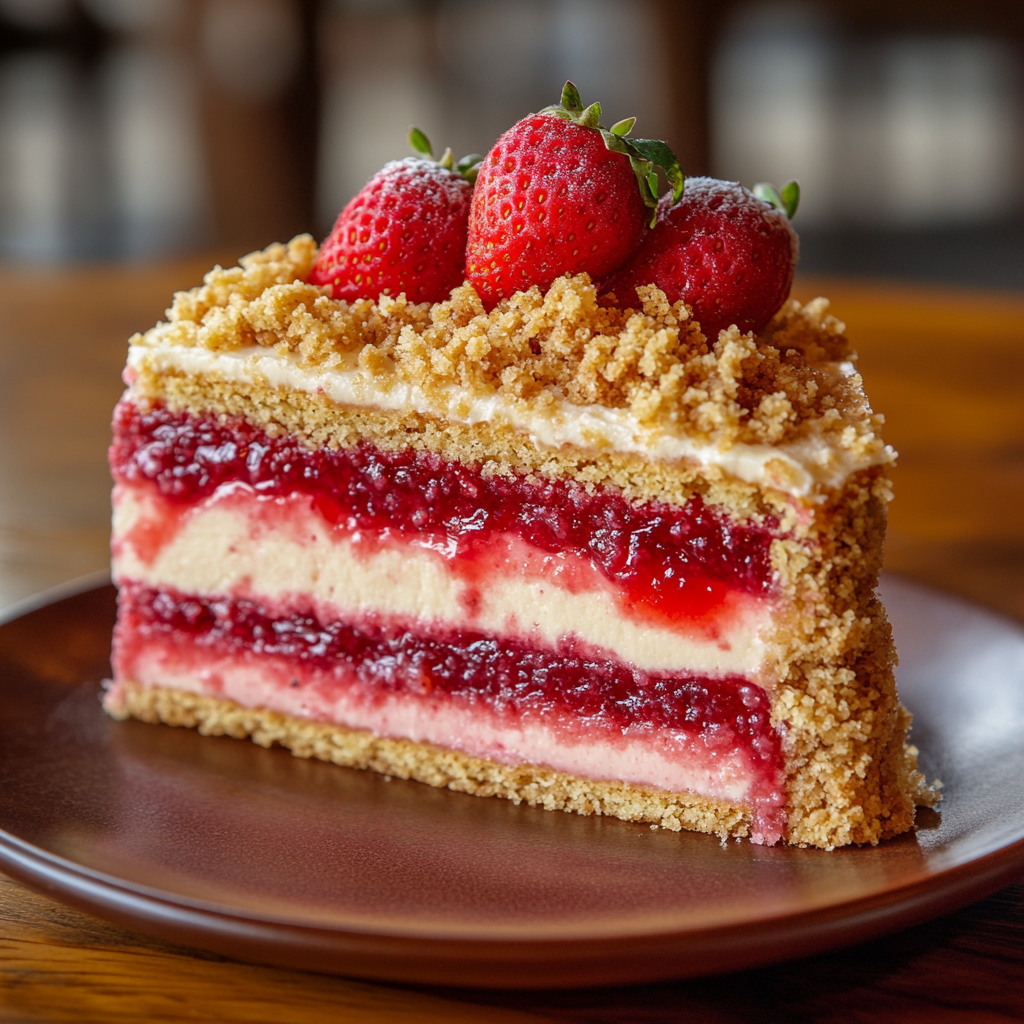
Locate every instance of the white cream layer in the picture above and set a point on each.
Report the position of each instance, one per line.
(801, 468)
(279, 550)
(665, 759)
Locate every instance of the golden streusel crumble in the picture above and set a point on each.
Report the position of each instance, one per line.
(568, 344)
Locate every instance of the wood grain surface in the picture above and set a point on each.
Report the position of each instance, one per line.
(947, 370)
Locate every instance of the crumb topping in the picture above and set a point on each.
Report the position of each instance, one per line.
(568, 345)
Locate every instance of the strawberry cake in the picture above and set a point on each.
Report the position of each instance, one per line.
(518, 486)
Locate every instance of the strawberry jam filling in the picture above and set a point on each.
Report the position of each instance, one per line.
(670, 562)
(576, 691)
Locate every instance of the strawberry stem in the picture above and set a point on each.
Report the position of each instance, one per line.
(645, 155)
(787, 201)
(468, 167)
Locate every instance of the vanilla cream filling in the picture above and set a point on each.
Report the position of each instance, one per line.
(665, 759)
(801, 468)
(281, 550)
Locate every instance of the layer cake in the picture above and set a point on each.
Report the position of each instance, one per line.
(554, 549)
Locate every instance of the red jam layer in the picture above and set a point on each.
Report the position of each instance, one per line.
(566, 687)
(672, 561)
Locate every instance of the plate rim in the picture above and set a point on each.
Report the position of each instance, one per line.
(53, 595)
(391, 952)
(497, 962)
(18, 849)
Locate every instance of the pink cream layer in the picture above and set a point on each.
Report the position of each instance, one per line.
(574, 708)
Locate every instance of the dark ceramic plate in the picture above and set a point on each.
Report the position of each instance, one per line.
(256, 854)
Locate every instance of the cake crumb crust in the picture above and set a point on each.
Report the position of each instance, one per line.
(567, 344)
(423, 762)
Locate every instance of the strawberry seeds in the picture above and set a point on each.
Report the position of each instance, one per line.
(560, 194)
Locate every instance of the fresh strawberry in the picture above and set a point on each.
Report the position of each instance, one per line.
(724, 251)
(404, 232)
(558, 194)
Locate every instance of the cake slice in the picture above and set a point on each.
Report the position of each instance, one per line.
(559, 552)
(526, 536)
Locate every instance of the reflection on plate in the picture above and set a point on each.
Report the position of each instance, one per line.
(256, 854)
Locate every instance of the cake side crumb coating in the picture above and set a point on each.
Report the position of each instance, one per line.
(849, 778)
(543, 348)
(433, 765)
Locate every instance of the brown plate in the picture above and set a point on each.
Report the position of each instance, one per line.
(258, 855)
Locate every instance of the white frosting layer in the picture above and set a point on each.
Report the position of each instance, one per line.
(280, 551)
(801, 468)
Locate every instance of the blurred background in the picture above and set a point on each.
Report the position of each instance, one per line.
(142, 140)
(141, 129)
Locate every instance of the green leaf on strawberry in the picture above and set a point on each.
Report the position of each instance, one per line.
(468, 167)
(790, 198)
(571, 100)
(645, 155)
(419, 142)
(787, 200)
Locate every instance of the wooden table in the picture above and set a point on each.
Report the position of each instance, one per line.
(947, 369)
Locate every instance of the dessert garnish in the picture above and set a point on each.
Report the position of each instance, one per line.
(726, 253)
(559, 194)
(404, 232)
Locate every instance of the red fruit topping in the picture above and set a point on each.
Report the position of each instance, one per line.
(404, 232)
(558, 194)
(724, 252)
